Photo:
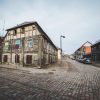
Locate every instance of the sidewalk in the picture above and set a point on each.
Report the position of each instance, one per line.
(54, 68)
(96, 64)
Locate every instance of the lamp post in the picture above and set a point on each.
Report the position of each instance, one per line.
(61, 46)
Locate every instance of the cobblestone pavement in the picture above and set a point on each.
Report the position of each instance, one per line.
(74, 81)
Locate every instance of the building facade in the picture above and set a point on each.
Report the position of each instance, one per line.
(27, 44)
(96, 52)
(84, 51)
(1, 48)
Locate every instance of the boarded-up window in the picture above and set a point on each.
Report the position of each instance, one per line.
(5, 58)
(29, 59)
(17, 57)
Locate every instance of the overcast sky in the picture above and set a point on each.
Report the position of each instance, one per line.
(78, 20)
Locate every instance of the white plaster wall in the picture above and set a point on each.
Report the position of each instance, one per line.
(18, 35)
(59, 54)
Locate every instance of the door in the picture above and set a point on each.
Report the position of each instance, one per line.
(17, 57)
(29, 59)
(5, 58)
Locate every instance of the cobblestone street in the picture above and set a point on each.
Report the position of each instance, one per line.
(73, 81)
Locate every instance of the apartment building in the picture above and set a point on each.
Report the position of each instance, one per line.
(28, 45)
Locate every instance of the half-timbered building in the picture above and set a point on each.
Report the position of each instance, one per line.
(84, 51)
(27, 44)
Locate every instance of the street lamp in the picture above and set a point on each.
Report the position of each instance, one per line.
(61, 46)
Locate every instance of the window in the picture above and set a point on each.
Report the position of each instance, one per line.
(17, 44)
(7, 46)
(17, 41)
(30, 43)
(48, 46)
(94, 48)
(23, 30)
(14, 32)
(99, 47)
(45, 44)
(8, 33)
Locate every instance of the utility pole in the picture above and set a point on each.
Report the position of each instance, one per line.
(61, 46)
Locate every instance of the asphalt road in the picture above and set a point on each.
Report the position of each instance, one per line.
(73, 81)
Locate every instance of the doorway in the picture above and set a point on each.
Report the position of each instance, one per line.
(5, 58)
(17, 57)
(29, 59)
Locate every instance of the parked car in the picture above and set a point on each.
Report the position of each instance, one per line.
(73, 58)
(80, 60)
(87, 61)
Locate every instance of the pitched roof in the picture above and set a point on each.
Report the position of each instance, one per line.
(21, 25)
(96, 42)
(86, 42)
(83, 45)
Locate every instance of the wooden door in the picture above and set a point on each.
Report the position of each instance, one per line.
(17, 57)
(5, 58)
(29, 59)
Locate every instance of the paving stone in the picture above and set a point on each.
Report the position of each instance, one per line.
(74, 82)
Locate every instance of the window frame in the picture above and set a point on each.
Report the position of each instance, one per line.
(30, 43)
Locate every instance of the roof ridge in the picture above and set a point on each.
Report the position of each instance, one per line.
(22, 24)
